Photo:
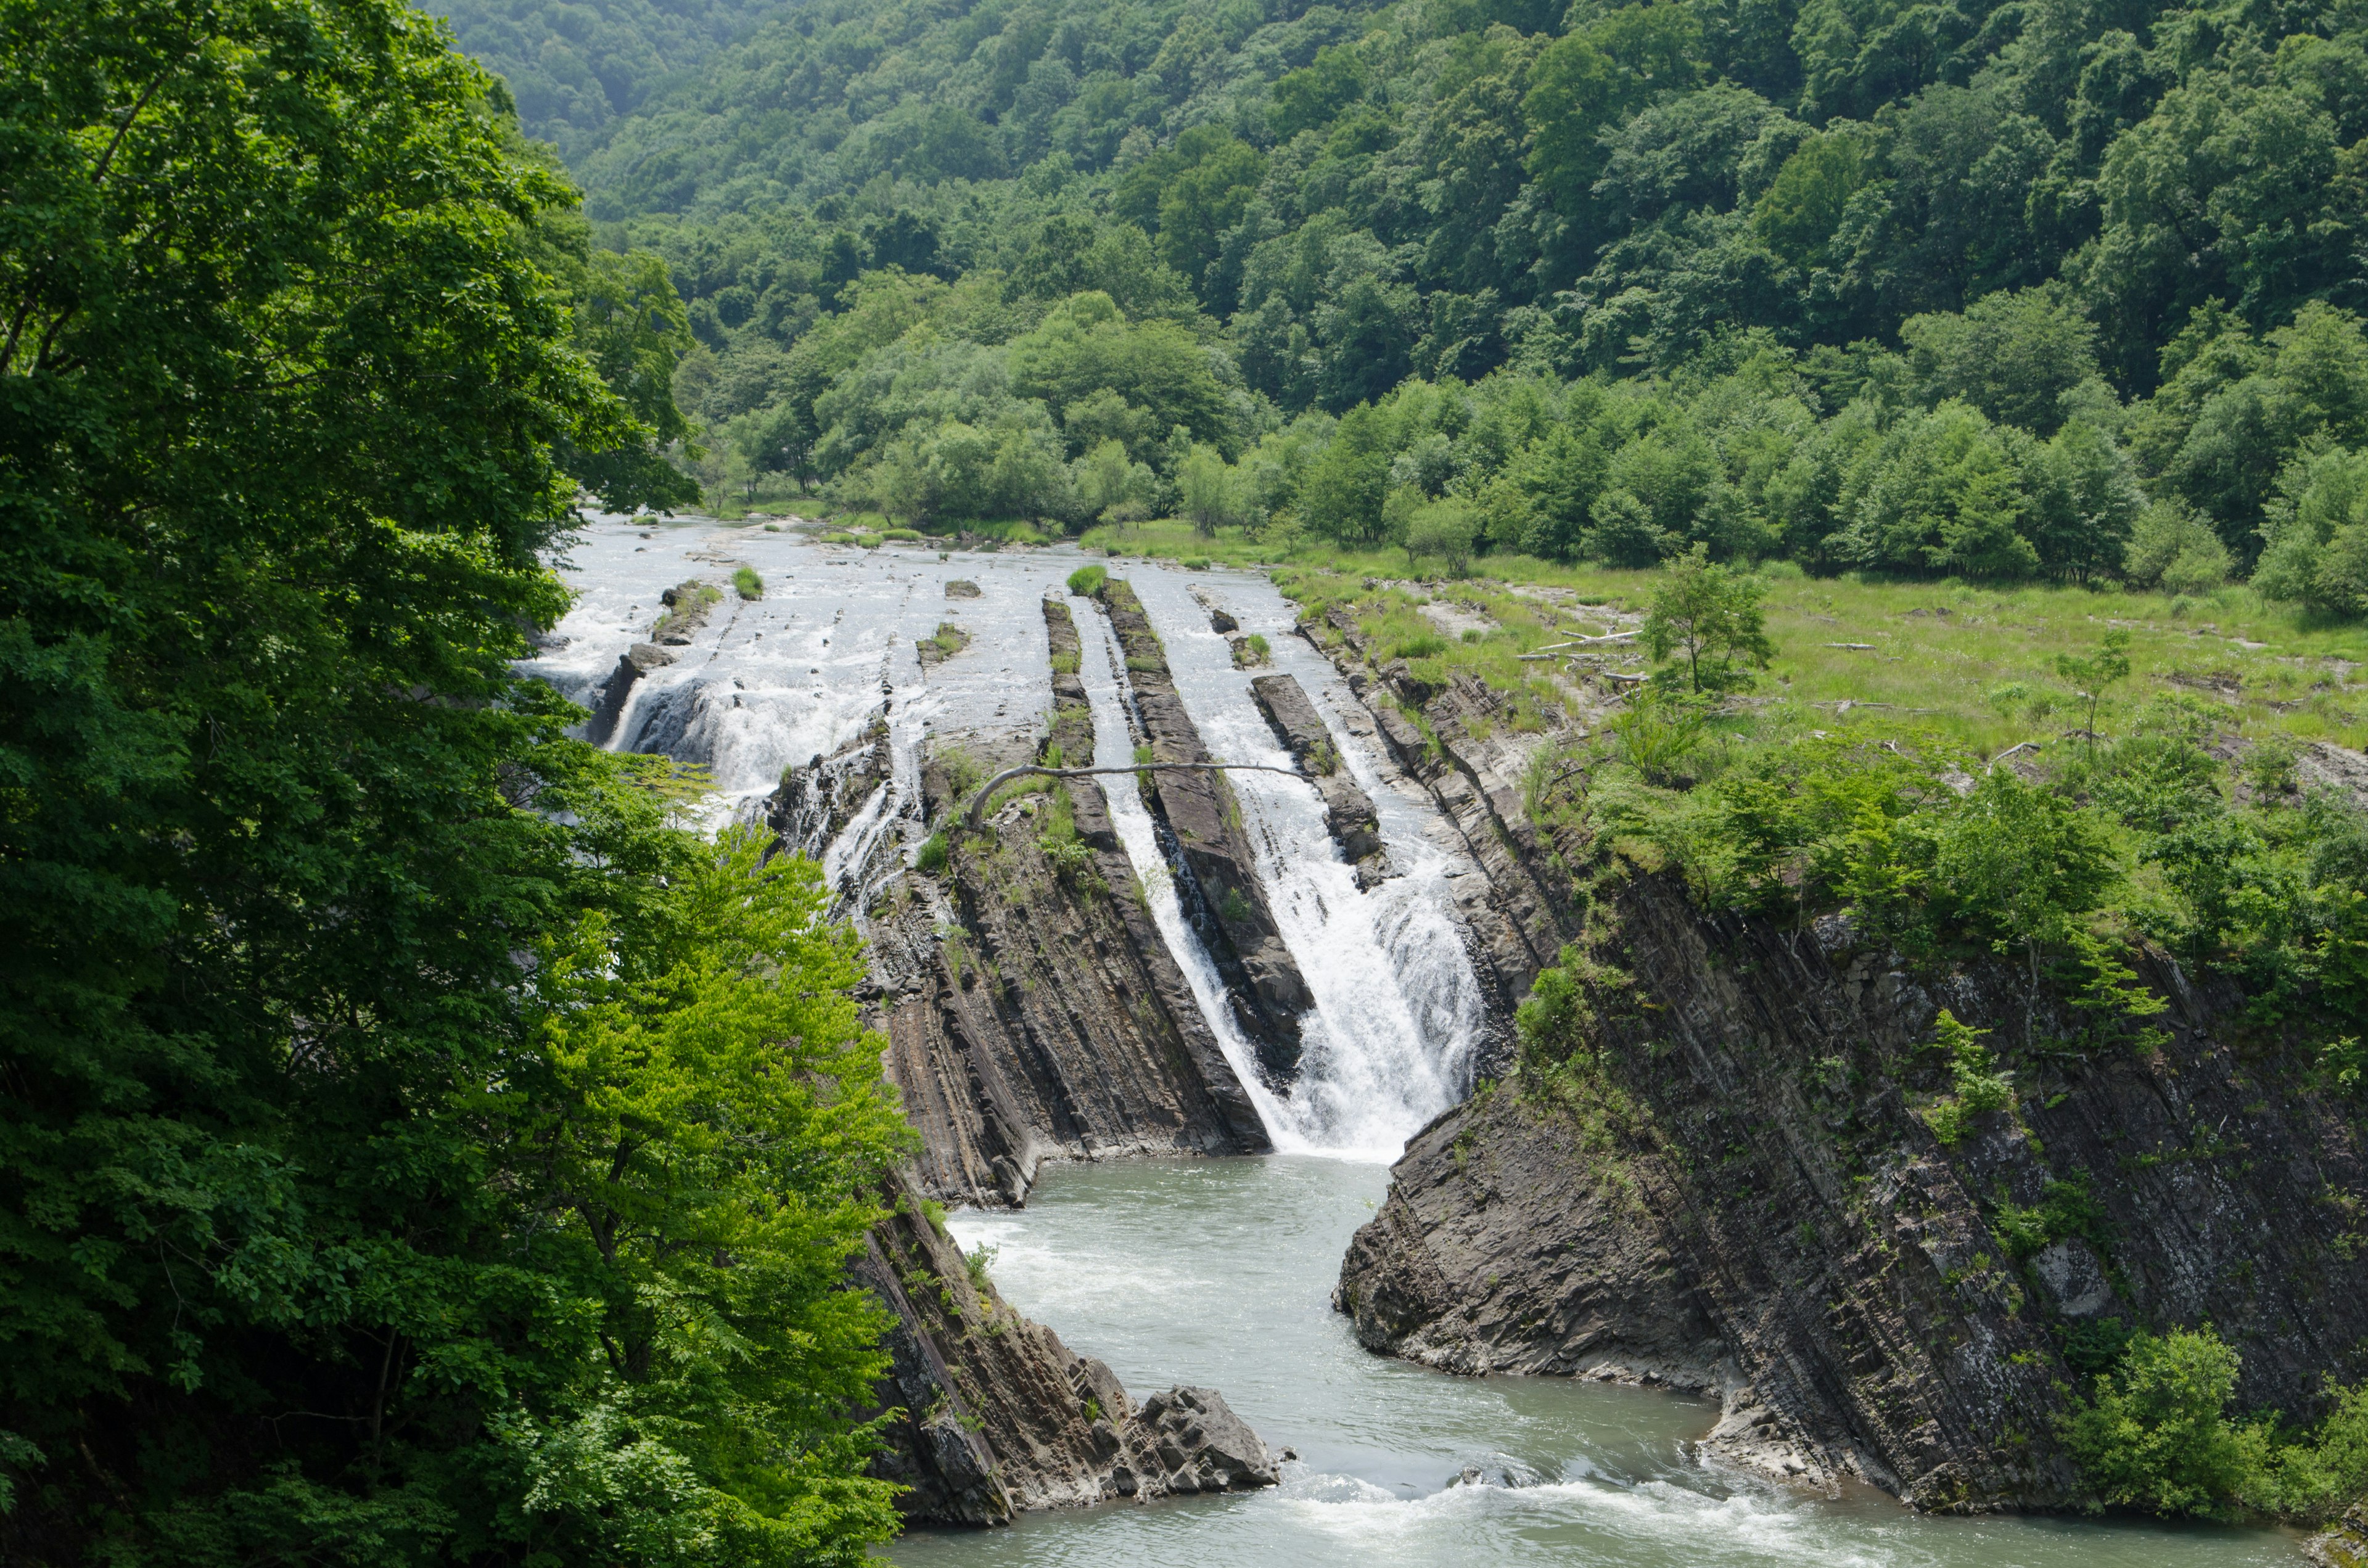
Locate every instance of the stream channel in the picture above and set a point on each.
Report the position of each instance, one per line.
(1218, 1272)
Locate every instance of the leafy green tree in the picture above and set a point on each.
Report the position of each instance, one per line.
(1803, 205)
(302, 877)
(2093, 673)
(1710, 615)
(1086, 347)
(1942, 495)
(2316, 542)
(1313, 97)
(2013, 355)
(631, 326)
(1444, 531)
(1210, 491)
(1590, 79)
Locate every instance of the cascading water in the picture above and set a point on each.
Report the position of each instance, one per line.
(780, 681)
(1204, 1271)
(1397, 1009)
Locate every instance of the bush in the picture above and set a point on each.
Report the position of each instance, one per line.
(2154, 1435)
(2174, 550)
(1980, 1088)
(932, 856)
(1444, 530)
(1086, 581)
(751, 585)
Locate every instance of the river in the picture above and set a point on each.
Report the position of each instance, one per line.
(1219, 1272)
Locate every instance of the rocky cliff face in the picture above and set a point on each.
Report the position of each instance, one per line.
(1348, 813)
(1518, 904)
(1216, 872)
(1716, 1177)
(1032, 1009)
(998, 1416)
(1725, 1185)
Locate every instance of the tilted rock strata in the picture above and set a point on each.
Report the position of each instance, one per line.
(1032, 1009)
(998, 1416)
(1517, 914)
(1728, 1188)
(1217, 874)
(814, 803)
(1348, 812)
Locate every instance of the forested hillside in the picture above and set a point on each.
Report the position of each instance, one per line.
(1925, 289)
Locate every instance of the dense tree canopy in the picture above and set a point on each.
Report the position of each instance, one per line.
(1916, 289)
(393, 1105)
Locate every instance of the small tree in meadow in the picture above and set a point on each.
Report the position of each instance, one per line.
(1709, 615)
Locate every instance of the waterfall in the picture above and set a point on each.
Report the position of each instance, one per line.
(1398, 1011)
(828, 652)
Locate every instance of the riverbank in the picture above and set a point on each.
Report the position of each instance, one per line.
(1219, 1271)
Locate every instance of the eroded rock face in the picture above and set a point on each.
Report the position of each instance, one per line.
(1348, 813)
(1217, 875)
(1521, 906)
(1032, 1009)
(1001, 1418)
(632, 666)
(814, 803)
(1726, 1186)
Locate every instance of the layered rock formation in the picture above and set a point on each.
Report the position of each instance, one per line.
(1520, 904)
(1216, 875)
(687, 605)
(1725, 1185)
(814, 803)
(999, 1416)
(1032, 1009)
(1713, 1175)
(1348, 813)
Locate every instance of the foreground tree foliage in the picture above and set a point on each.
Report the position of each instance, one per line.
(413, 1149)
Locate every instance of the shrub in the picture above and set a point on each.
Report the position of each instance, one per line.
(1086, 581)
(1444, 530)
(1980, 1088)
(1656, 735)
(932, 856)
(751, 586)
(2155, 1435)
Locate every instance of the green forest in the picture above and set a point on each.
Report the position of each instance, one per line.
(2050, 291)
(417, 1144)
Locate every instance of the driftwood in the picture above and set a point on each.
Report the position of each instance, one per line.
(1860, 647)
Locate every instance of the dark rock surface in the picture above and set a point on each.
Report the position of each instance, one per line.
(1725, 1187)
(1215, 871)
(1348, 813)
(813, 804)
(1032, 1009)
(632, 666)
(1522, 905)
(999, 1416)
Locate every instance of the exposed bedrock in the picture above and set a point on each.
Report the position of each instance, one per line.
(1215, 871)
(1348, 812)
(1725, 1185)
(999, 1416)
(814, 804)
(1522, 904)
(1032, 1009)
